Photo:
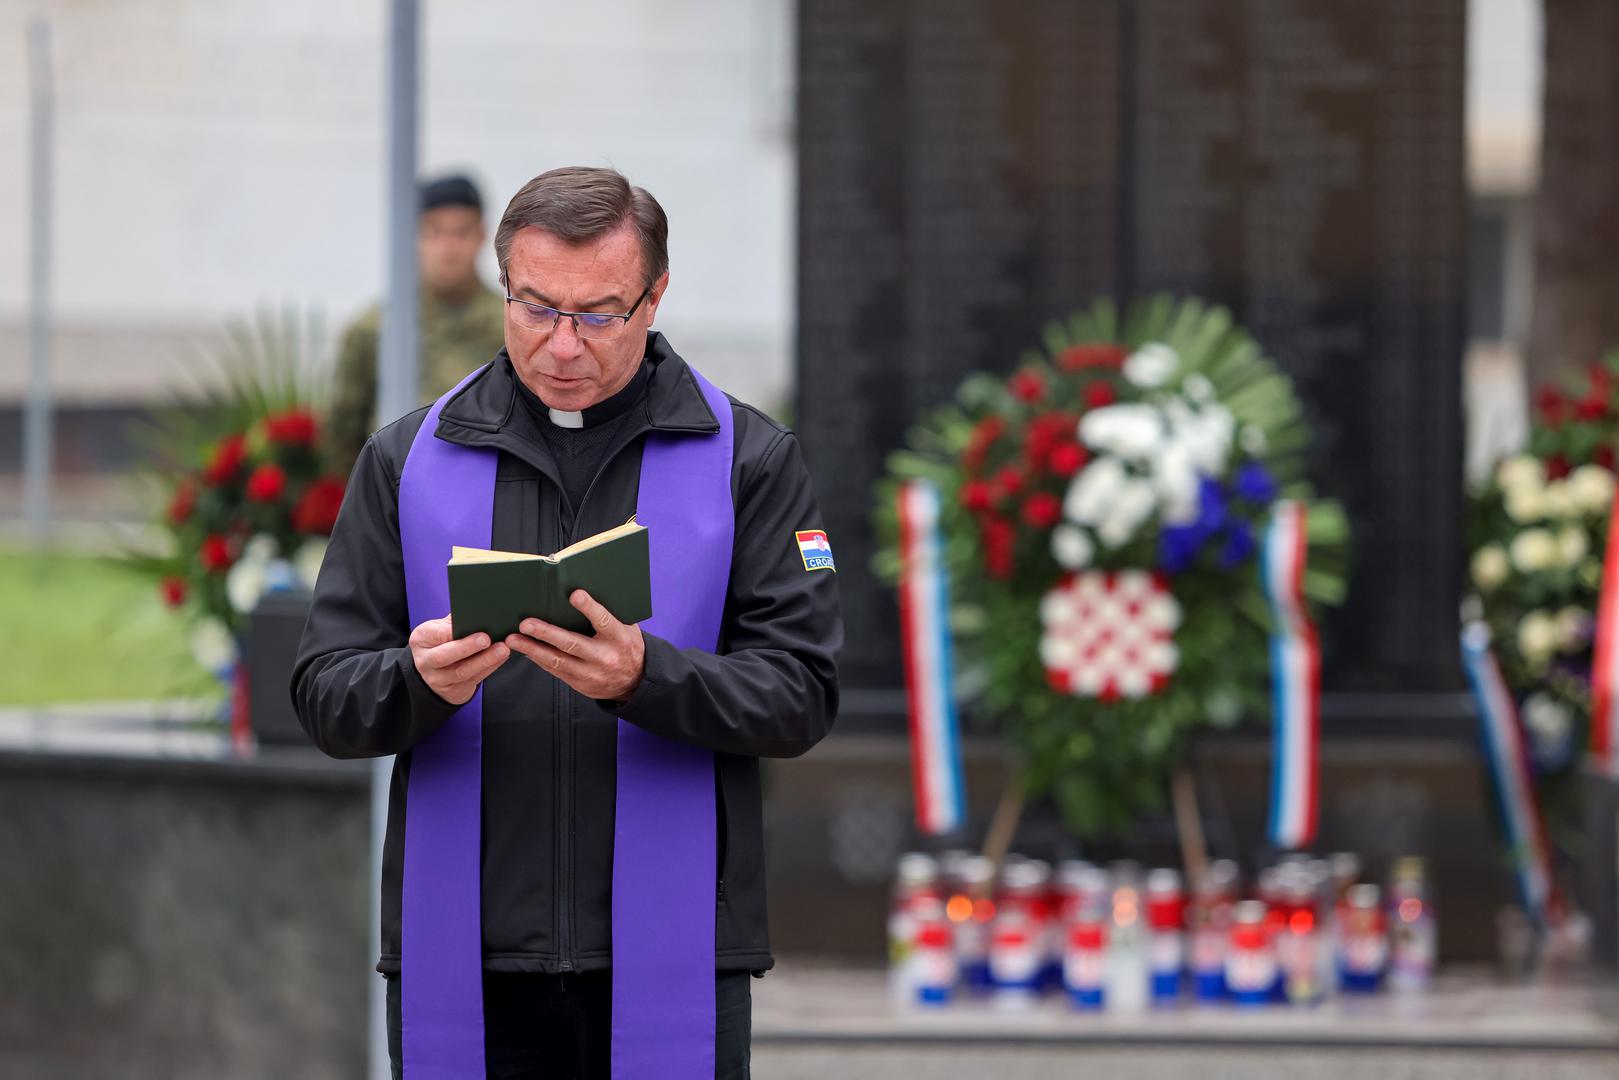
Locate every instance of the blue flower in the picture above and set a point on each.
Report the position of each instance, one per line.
(1255, 484)
(1239, 545)
(1178, 545)
(1211, 506)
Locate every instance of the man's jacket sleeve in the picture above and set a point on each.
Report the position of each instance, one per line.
(772, 690)
(354, 686)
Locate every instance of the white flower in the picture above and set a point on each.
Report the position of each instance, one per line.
(1132, 505)
(261, 548)
(1058, 652)
(1163, 612)
(1547, 719)
(1253, 441)
(1574, 626)
(1151, 365)
(1537, 636)
(1093, 490)
(1198, 388)
(1559, 501)
(1525, 503)
(1591, 487)
(1175, 477)
(1132, 431)
(1071, 547)
(1489, 567)
(1520, 471)
(306, 562)
(1572, 544)
(244, 584)
(212, 644)
(1533, 549)
(1211, 434)
(1135, 682)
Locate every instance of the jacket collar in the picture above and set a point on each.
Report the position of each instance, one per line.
(485, 405)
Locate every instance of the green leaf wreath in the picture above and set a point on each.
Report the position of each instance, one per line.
(1141, 455)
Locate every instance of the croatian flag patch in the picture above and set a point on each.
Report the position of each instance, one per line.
(816, 549)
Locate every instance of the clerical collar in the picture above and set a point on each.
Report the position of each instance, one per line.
(600, 412)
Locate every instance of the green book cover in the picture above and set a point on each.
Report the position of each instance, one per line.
(493, 591)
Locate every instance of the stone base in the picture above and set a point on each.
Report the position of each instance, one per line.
(817, 1022)
(178, 913)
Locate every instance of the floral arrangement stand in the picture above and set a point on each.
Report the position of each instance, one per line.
(1103, 511)
(247, 493)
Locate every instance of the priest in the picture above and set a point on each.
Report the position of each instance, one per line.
(573, 873)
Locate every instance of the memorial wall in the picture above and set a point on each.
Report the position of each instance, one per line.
(969, 170)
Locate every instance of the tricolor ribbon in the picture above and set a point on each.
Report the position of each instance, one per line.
(1514, 784)
(1295, 662)
(1605, 659)
(924, 605)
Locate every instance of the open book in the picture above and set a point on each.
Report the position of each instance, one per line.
(493, 591)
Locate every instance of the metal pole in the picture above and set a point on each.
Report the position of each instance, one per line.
(398, 362)
(397, 366)
(37, 419)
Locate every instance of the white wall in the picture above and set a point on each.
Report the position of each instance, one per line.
(218, 155)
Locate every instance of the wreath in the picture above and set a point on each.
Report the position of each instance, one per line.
(1537, 526)
(1102, 514)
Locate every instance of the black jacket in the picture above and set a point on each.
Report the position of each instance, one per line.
(549, 754)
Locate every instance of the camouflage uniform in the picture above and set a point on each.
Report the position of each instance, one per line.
(456, 337)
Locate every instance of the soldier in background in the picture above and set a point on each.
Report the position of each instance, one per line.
(462, 319)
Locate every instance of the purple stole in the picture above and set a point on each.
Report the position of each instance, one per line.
(664, 827)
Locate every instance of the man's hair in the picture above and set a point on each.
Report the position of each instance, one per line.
(451, 190)
(578, 204)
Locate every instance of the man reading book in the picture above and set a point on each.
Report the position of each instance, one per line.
(573, 874)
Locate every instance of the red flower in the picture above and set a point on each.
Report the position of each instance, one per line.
(1067, 458)
(1008, 482)
(1099, 395)
(294, 428)
(1551, 405)
(316, 511)
(1080, 357)
(215, 553)
(1557, 467)
(1591, 408)
(998, 537)
(977, 496)
(1604, 456)
(173, 590)
(983, 437)
(266, 483)
(1601, 381)
(226, 460)
(184, 501)
(1042, 510)
(1027, 386)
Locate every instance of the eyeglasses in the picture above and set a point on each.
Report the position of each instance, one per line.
(594, 325)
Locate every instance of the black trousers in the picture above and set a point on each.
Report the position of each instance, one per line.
(560, 1026)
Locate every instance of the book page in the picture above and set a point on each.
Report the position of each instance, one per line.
(599, 539)
(460, 556)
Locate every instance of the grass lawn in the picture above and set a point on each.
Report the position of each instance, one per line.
(82, 627)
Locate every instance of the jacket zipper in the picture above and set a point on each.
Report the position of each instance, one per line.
(564, 714)
(563, 746)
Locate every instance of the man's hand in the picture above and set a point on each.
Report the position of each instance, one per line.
(453, 667)
(606, 667)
